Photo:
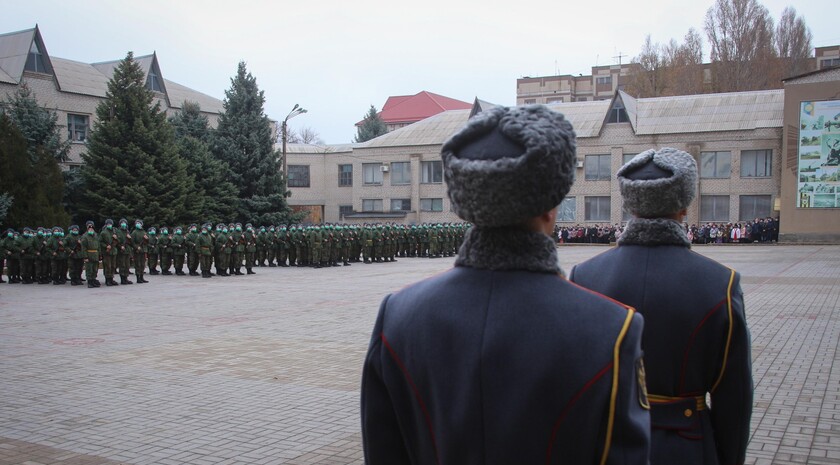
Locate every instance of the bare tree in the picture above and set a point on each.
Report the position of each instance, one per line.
(305, 135)
(685, 64)
(649, 79)
(793, 43)
(740, 33)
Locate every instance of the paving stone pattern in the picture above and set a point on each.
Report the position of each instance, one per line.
(265, 369)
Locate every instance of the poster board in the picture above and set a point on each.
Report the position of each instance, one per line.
(819, 155)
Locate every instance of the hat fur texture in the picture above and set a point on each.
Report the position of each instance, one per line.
(654, 198)
(506, 190)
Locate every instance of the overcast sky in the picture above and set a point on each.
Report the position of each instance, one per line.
(336, 58)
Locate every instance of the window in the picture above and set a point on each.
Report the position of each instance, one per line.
(530, 101)
(372, 173)
(371, 205)
(298, 176)
(714, 208)
(597, 208)
(597, 168)
(756, 163)
(153, 82)
(627, 157)
(35, 60)
(555, 100)
(400, 173)
(617, 113)
(400, 205)
(432, 172)
(829, 62)
(77, 127)
(345, 175)
(566, 210)
(431, 205)
(603, 80)
(754, 206)
(344, 210)
(715, 164)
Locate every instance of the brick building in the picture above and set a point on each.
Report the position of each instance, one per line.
(605, 80)
(73, 89)
(735, 137)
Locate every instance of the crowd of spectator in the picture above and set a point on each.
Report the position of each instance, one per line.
(758, 230)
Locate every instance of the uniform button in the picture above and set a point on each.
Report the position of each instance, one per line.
(688, 412)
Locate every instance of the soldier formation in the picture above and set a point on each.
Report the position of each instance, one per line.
(47, 255)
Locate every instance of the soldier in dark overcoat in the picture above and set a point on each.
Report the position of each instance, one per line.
(501, 360)
(696, 341)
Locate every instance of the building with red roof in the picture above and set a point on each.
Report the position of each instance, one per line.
(402, 110)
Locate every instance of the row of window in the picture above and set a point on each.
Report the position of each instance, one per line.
(397, 205)
(754, 164)
(431, 172)
(712, 208)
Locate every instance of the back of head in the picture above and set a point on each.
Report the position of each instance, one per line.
(658, 183)
(509, 164)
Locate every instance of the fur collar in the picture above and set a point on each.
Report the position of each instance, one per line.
(508, 249)
(654, 231)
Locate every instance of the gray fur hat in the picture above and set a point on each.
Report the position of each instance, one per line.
(656, 183)
(509, 164)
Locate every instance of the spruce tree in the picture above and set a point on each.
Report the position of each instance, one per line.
(372, 126)
(34, 186)
(38, 125)
(40, 203)
(132, 165)
(244, 141)
(218, 196)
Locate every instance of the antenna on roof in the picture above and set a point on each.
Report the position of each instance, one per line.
(619, 56)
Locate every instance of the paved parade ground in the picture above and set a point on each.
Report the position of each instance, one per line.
(265, 369)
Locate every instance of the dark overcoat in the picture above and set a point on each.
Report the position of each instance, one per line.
(695, 342)
(503, 366)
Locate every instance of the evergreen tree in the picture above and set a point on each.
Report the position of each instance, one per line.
(244, 141)
(217, 195)
(33, 188)
(37, 125)
(5, 203)
(132, 165)
(371, 127)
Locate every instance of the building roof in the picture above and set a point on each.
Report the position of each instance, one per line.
(88, 78)
(586, 117)
(413, 108)
(732, 111)
(434, 130)
(14, 49)
(316, 148)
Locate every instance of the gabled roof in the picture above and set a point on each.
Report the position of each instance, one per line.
(147, 63)
(413, 108)
(89, 78)
(14, 49)
(586, 117)
(481, 105)
(732, 111)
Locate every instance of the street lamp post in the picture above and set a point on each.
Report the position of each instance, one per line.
(297, 110)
